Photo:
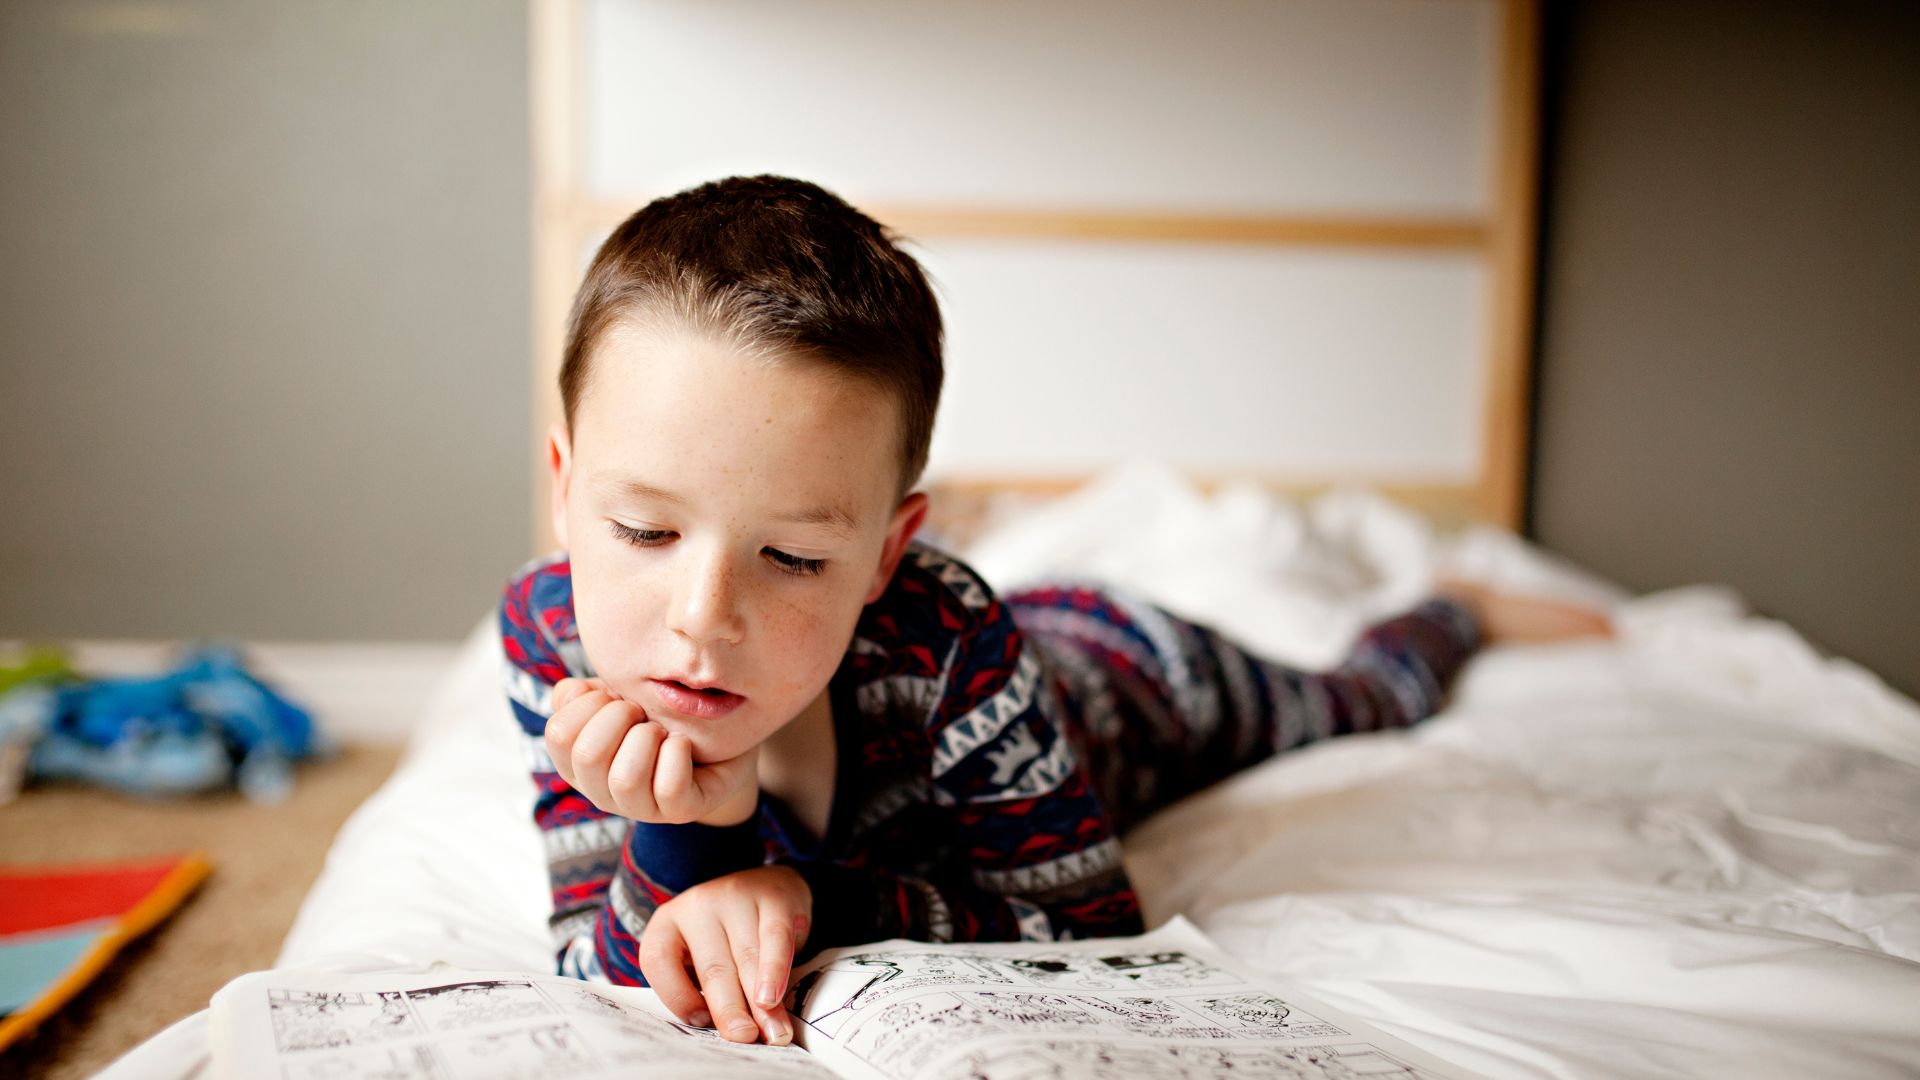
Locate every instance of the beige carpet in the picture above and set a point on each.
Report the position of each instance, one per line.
(264, 859)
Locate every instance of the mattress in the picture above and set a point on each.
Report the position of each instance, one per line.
(1693, 850)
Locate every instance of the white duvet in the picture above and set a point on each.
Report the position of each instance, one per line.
(1694, 851)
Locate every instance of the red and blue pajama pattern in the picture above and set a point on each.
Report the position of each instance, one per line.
(990, 753)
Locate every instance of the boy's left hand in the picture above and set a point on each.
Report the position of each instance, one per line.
(738, 935)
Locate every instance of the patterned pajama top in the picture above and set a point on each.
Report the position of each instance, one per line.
(991, 750)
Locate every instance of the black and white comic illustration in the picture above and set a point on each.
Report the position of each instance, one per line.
(827, 996)
(1262, 1012)
(1170, 970)
(1136, 1013)
(1164, 1005)
(314, 1020)
(1073, 1060)
(547, 1050)
(532, 1028)
(388, 1063)
(469, 1004)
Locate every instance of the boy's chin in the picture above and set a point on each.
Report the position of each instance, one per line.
(708, 749)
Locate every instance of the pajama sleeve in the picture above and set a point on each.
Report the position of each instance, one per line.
(1396, 675)
(607, 873)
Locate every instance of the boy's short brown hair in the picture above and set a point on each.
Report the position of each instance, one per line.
(777, 267)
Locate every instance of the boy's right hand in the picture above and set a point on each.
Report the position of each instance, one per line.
(626, 764)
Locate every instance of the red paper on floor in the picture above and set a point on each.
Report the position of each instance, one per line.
(61, 924)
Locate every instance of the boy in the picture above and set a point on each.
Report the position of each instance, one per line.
(761, 717)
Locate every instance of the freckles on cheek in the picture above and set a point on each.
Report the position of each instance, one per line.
(811, 648)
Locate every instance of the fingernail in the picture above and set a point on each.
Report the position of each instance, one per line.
(743, 1030)
(769, 994)
(701, 1018)
(782, 1034)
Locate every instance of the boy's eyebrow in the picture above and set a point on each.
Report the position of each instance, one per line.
(832, 517)
(637, 489)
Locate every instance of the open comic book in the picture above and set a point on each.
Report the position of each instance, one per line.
(1165, 1004)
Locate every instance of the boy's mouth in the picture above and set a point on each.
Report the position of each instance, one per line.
(705, 703)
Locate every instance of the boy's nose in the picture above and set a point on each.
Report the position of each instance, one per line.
(708, 609)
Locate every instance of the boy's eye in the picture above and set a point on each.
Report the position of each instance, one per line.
(794, 564)
(640, 537)
(788, 564)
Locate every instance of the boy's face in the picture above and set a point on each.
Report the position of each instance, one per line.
(727, 519)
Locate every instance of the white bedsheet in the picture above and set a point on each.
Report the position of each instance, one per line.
(1691, 852)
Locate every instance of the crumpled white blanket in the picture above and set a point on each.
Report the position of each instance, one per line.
(1693, 851)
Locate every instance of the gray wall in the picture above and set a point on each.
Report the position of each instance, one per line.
(265, 304)
(1729, 384)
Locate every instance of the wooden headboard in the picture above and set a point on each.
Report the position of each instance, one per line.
(606, 141)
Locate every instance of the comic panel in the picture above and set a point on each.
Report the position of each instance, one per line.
(1153, 1016)
(1070, 1060)
(906, 1034)
(391, 1063)
(829, 996)
(1259, 1014)
(534, 1053)
(1170, 970)
(642, 1032)
(467, 1004)
(317, 1020)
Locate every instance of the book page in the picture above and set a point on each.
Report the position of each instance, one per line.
(462, 1025)
(1163, 1005)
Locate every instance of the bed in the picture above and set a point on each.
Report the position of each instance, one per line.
(1691, 851)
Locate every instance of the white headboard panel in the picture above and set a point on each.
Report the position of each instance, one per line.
(1286, 239)
(1065, 356)
(1229, 105)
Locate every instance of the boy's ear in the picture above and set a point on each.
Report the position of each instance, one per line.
(906, 521)
(560, 463)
